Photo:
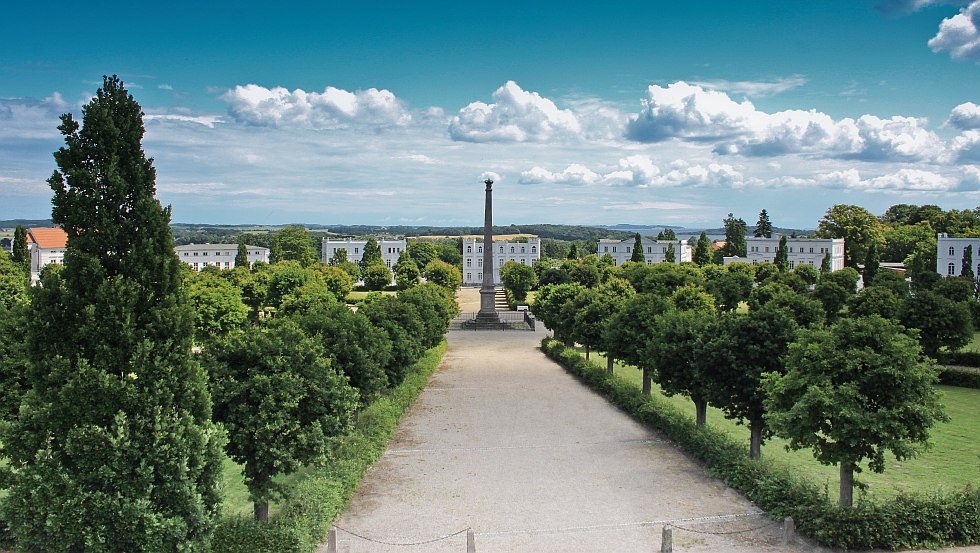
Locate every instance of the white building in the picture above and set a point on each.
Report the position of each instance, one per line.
(46, 246)
(950, 253)
(654, 251)
(390, 250)
(222, 256)
(801, 251)
(526, 251)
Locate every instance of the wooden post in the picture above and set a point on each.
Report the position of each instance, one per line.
(332, 540)
(789, 531)
(667, 540)
(470, 541)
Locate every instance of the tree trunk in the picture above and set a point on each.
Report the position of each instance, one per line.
(755, 439)
(586, 353)
(646, 381)
(700, 410)
(846, 484)
(261, 511)
(609, 364)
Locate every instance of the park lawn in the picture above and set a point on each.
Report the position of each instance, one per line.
(974, 344)
(234, 494)
(952, 462)
(353, 297)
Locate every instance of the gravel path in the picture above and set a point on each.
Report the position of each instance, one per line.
(505, 442)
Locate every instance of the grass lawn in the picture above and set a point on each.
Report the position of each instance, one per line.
(358, 296)
(951, 463)
(234, 494)
(974, 344)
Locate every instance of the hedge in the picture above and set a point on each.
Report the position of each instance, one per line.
(964, 377)
(907, 521)
(311, 505)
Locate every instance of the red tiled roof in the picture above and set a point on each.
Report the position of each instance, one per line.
(48, 237)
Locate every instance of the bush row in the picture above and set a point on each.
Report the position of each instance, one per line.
(908, 521)
(962, 358)
(964, 377)
(305, 516)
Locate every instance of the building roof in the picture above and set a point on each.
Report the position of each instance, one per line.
(200, 247)
(48, 237)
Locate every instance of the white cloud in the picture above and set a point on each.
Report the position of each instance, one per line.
(965, 116)
(893, 7)
(966, 146)
(903, 180)
(333, 108)
(756, 89)
(689, 112)
(489, 175)
(205, 120)
(958, 35)
(514, 116)
(641, 172)
(642, 206)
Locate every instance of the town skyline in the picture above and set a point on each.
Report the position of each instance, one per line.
(655, 113)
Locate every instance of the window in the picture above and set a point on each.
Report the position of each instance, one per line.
(469, 277)
(227, 264)
(355, 250)
(195, 267)
(605, 249)
(205, 254)
(952, 251)
(534, 249)
(522, 249)
(811, 250)
(479, 276)
(614, 249)
(479, 249)
(951, 270)
(512, 249)
(388, 262)
(469, 249)
(792, 264)
(523, 262)
(195, 254)
(185, 254)
(649, 249)
(767, 249)
(479, 262)
(469, 262)
(627, 249)
(501, 249)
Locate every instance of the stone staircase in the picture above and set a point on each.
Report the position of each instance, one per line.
(500, 300)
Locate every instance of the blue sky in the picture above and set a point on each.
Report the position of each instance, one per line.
(648, 112)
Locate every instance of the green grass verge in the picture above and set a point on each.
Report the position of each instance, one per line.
(354, 297)
(907, 521)
(316, 497)
(951, 463)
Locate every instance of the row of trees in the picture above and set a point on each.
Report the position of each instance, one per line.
(112, 429)
(793, 353)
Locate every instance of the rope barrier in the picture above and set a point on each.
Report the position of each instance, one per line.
(401, 544)
(725, 533)
(691, 520)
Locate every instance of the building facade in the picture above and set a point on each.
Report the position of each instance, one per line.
(526, 251)
(801, 251)
(654, 251)
(390, 250)
(46, 246)
(950, 253)
(222, 256)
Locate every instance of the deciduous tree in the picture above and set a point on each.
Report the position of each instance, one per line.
(518, 278)
(852, 392)
(735, 230)
(856, 225)
(377, 276)
(280, 399)
(294, 243)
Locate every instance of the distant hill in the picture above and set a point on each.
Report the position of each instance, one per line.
(12, 223)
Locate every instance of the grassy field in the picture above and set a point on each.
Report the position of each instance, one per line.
(358, 296)
(952, 462)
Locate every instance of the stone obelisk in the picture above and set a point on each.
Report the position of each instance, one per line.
(487, 309)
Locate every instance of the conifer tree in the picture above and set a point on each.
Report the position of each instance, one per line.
(734, 236)
(573, 252)
(763, 228)
(966, 268)
(670, 256)
(871, 263)
(113, 449)
(637, 249)
(241, 258)
(21, 255)
(372, 254)
(782, 255)
(825, 266)
(702, 255)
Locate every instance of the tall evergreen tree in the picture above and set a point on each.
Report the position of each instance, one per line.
(573, 252)
(22, 256)
(966, 268)
(241, 258)
(782, 255)
(637, 249)
(763, 228)
(670, 256)
(735, 230)
(113, 449)
(372, 254)
(667, 234)
(871, 263)
(702, 255)
(825, 266)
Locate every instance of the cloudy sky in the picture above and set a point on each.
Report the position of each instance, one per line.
(652, 112)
